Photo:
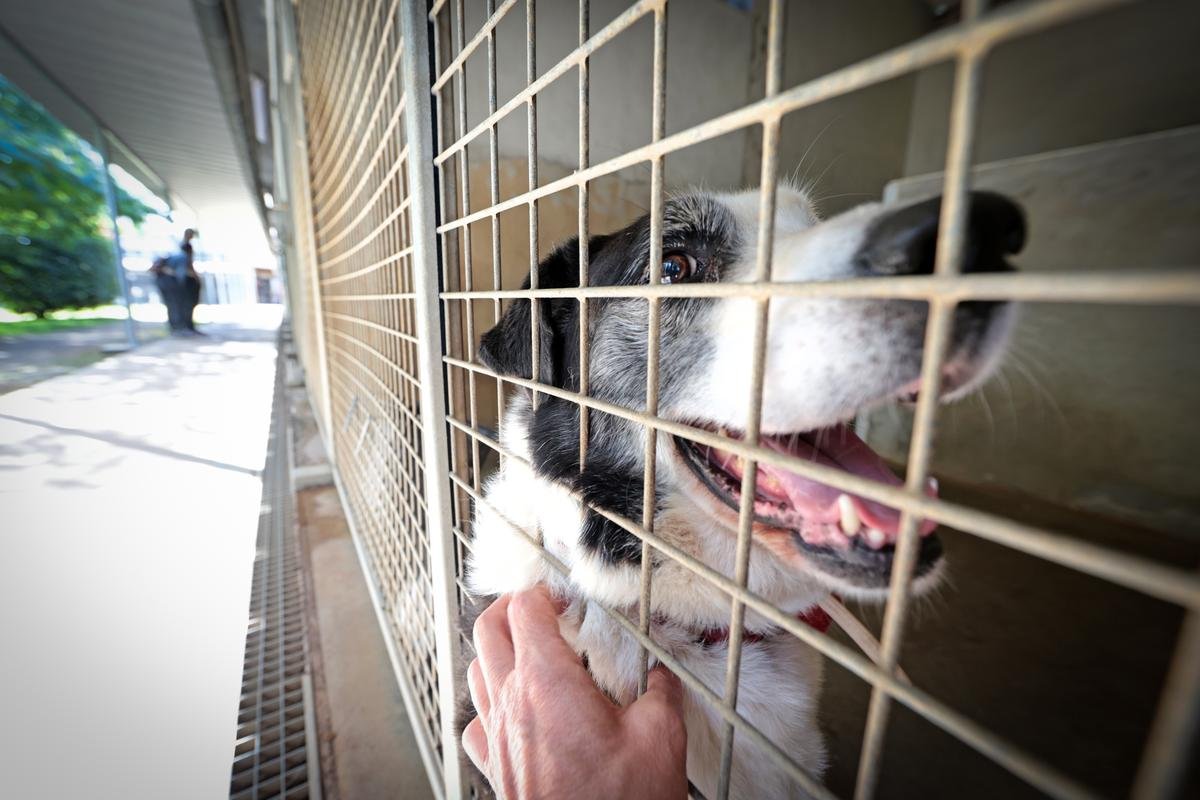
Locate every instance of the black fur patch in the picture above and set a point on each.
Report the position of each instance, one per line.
(613, 475)
(611, 484)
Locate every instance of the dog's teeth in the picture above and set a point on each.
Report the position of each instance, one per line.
(850, 521)
(933, 484)
(876, 537)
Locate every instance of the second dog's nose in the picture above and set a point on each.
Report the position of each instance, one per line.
(903, 242)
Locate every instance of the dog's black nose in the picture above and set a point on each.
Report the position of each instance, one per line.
(903, 242)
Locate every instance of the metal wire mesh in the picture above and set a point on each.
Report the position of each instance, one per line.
(351, 174)
(374, 260)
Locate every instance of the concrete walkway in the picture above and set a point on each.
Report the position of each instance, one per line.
(33, 358)
(129, 498)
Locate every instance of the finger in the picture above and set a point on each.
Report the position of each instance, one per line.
(660, 710)
(664, 684)
(533, 622)
(494, 645)
(479, 695)
(474, 742)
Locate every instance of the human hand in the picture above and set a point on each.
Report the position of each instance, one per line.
(544, 730)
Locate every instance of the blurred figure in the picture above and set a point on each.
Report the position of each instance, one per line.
(191, 285)
(179, 285)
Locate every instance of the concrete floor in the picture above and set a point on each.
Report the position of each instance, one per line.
(131, 492)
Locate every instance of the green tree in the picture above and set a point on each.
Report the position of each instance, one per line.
(54, 246)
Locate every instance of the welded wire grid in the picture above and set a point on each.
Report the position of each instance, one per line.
(273, 755)
(372, 256)
(355, 67)
(967, 45)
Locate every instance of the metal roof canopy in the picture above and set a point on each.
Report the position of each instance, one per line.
(145, 70)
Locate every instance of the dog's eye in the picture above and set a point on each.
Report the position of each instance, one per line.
(677, 267)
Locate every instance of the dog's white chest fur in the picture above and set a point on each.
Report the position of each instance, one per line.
(780, 676)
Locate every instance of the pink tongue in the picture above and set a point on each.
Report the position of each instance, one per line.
(837, 447)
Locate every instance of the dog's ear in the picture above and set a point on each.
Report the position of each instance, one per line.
(508, 347)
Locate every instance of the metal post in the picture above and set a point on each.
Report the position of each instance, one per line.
(110, 196)
(417, 126)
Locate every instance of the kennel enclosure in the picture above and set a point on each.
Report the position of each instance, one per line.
(428, 164)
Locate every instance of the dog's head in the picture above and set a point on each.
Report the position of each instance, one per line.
(826, 361)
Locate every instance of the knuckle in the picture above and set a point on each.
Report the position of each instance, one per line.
(523, 603)
(482, 622)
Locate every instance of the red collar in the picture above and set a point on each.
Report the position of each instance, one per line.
(814, 617)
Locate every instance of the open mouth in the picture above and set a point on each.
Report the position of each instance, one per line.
(839, 533)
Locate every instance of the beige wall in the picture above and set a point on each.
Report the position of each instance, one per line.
(1123, 72)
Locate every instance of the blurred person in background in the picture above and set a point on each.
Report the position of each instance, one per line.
(179, 286)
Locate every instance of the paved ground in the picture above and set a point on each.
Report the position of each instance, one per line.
(29, 359)
(130, 492)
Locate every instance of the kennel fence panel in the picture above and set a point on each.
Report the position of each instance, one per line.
(386, 232)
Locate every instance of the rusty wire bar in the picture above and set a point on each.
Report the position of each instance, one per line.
(653, 329)
(451, 318)
(1179, 286)
(494, 185)
(584, 250)
(535, 356)
(467, 251)
(762, 306)
(1176, 724)
(948, 261)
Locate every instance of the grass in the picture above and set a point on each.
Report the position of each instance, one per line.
(13, 324)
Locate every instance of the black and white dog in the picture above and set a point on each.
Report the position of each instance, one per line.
(827, 360)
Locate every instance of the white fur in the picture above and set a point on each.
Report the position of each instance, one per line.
(781, 676)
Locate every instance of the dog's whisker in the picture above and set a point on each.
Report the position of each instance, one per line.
(987, 411)
(1017, 363)
(816, 139)
(820, 177)
(824, 197)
